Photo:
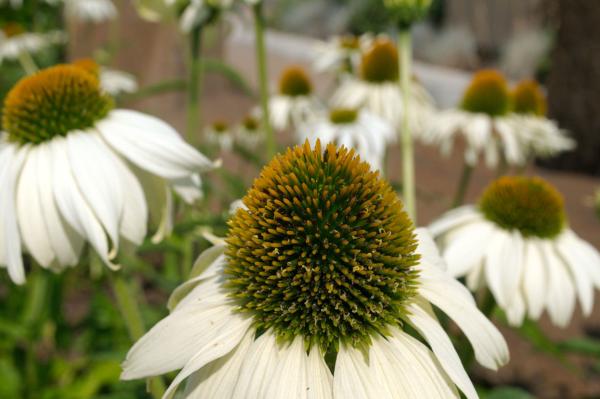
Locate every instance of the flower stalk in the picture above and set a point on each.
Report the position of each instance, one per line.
(463, 185)
(261, 59)
(27, 63)
(194, 88)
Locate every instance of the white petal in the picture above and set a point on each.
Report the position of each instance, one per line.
(453, 219)
(66, 243)
(503, 264)
(219, 345)
(152, 145)
(218, 378)
(98, 178)
(424, 321)
(188, 188)
(535, 283)
(352, 378)
(560, 298)
(289, 379)
(177, 338)
(30, 213)
(449, 296)
(259, 368)
(72, 205)
(583, 283)
(467, 247)
(516, 310)
(11, 162)
(427, 249)
(319, 378)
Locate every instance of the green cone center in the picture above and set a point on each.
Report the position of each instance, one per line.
(295, 82)
(380, 63)
(487, 94)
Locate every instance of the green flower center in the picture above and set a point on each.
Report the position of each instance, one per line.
(324, 249)
(343, 116)
(380, 63)
(53, 102)
(487, 94)
(529, 205)
(250, 124)
(528, 98)
(295, 82)
(220, 127)
(349, 42)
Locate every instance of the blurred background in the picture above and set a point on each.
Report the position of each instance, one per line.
(74, 344)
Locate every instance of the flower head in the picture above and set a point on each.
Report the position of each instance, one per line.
(487, 94)
(294, 82)
(15, 40)
(529, 99)
(295, 102)
(64, 179)
(320, 274)
(517, 243)
(380, 63)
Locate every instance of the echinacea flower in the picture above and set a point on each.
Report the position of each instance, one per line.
(311, 296)
(15, 40)
(295, 102)
(219, 134)
(377, 89)
(112, 81)
(249, 132)
(539, 136)
(361, 130)
(95, 11)
(73, 169)
(517, 242)
(483, 123)
(341, 53)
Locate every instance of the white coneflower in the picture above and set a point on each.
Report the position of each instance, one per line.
(220, 135)
(14, 41)
(73, 169)
(539, 136)
(482, 121)
(310, 297)
(341, 53)
(517, 243)
(112, 81)
(361, 130)
(295, 103)
(95, 11)
(377, 90)
(249, 132)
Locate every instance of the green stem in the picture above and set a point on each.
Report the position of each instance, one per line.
(194, 111)
(132, 315)
(408, 162)
(27, 63)
(261, 59)
(463, 185)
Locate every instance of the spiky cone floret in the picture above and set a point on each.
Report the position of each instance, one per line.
(75, 170)
(483, 121)
(321, 263)
(368, 134)
(95, 11)
(14, 41)
(295, 102)
(376, 89)
(517, 243)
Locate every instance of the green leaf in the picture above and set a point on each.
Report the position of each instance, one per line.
(10, 379)
(508, 393)
(586, 346)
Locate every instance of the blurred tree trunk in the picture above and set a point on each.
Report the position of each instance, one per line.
(574, 82)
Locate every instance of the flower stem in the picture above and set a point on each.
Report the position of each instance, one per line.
(27, 63)
(463, 185)
(408, 162)
(195, 70)
(261, 59)
(132, 315)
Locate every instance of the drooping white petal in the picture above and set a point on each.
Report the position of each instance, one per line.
(516, 310)
(319, 378)
(422, 318)
(467, 247)
(219, 378)
(66, 243)
(586, 255)
(194, 326)
(427, 249)
(30, 213)
(352, 379)
(560, 300)
(503, 264)
(259, 368)
(453, 219)
(11, 162)
(535, 283)
(73, 206)
(98, 178)
(453, 299)
(188, 188)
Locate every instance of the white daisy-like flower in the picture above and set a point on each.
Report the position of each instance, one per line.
(483, 122)
(220, 135)
(539, 136)
(361, 130)
(517, 243)
(311, 295)
(72, 169)
(250, 132)
(377, 89)
(295, 103)
(112, 81)
(95, 11)
(14, 40)
(341, 53)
